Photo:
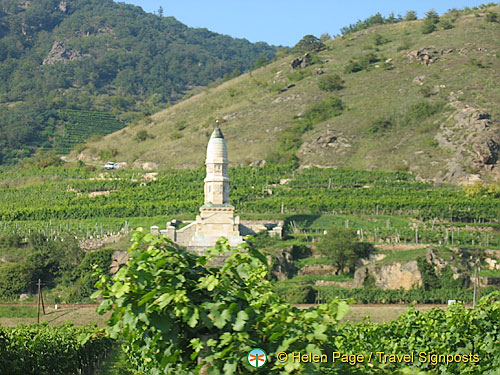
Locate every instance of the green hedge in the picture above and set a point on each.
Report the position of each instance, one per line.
(49, 350)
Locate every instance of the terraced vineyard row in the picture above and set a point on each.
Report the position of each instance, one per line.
(79, 125)
(77, 195)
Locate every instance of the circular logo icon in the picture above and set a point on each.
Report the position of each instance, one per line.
(257, 357)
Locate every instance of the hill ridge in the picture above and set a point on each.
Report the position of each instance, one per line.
(396, 84)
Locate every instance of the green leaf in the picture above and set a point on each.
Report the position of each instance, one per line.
(96, 294)
(230, 368)
(242, 271)
(241, 318)
(146, 297)
(193, 320)
(342, 309)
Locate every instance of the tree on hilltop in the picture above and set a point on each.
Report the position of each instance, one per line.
(309, 43)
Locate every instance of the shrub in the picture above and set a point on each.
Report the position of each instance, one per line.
(99, 260)
(108, 153)
(491, 17)
(361, 63)
(380, 124)
(411, 15)
(423, 110)
(11, 240)
(426, 91)
(428, 27)
(295, 293)
(379, 40)
(323, 110)
(406, 45)
(331, 82)
(15, 278)
(142, 135)
(446, 25)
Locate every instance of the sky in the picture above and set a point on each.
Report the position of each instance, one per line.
(285, 22)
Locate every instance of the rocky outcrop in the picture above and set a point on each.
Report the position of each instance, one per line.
(472, 138)
(427, 55)
(300, 62)
(282, 266)
(327, 141)
(60, 52)
(390, 276)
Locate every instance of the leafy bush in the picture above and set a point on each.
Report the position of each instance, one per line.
(380, 124)
(108, 153)
(379, 40)
(492, 17)
(179, 315)
(406, 45)
(296, 76)
(11, 240)
(15, 278)
(361, 63)
(142, 135)
(446, 25)
(376, 19)
(54, 260)
(296, 294)
(331, 82)
(426, 91)
(94, 262)
(423, 110)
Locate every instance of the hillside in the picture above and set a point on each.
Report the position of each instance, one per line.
(409, 100)
(98, 55)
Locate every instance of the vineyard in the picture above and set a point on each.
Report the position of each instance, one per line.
(47, 350)
(79, 125)
(382, 206)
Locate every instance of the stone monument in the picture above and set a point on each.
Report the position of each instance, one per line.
(216, 218)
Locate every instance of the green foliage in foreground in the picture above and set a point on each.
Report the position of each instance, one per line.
(181, 316)
(48, 350)
(175, 309)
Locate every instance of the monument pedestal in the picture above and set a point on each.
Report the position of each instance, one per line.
(213, 222)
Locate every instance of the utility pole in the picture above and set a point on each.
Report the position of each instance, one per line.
(40, 299)
(38, 309)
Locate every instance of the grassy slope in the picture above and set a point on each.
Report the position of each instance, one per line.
(256, 112)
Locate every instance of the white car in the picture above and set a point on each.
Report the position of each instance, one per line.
(110, 165)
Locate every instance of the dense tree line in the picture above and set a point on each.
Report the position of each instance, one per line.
(111, 57)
